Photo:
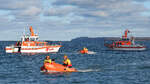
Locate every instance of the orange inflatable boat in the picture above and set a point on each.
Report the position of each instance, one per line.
(55, 67)
(84, 51)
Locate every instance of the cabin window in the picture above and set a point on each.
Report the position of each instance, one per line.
(26, 39)
(32, 39)
(125, 39)
(36, 44)
(41, 44)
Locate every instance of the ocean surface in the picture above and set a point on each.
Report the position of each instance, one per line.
(104, 67)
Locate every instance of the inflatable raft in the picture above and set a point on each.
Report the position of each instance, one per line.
(55, 67)
(89, 52)
(83, 52)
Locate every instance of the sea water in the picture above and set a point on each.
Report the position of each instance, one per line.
(103, 67)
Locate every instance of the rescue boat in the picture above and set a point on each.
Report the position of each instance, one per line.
(55, 67)
(30, 44)
(126, 43)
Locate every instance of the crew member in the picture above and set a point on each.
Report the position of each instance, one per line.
(67, 62)
(47, 60)
(53, 61)
(85, 50)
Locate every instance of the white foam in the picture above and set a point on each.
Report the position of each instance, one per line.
(89, 70)
(91, 52)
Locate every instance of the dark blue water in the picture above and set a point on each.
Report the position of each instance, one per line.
(104, 67)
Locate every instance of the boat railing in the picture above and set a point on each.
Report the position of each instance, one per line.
(131, 45)
(13, 46)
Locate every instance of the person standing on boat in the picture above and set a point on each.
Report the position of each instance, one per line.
(18, 45)
(133, 40)
(47, 60)
(67, 62)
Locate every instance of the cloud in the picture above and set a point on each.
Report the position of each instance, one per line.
(19, 10)
(103, 9)
(59, 10)
(141, 0)
(69, 18)
(32, 11)
(18, 4)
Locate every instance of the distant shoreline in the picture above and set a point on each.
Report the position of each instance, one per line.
(105, 38)
(136, 38)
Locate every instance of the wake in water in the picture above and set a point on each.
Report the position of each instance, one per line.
(89, 70)
(90, 52)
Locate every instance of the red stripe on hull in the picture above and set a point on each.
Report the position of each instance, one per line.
(128, 47)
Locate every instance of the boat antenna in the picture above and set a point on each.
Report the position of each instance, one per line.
(27, 29)
(17, 36)
(24, 32)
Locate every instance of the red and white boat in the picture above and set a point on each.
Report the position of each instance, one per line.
(125, 43)
(31, 44)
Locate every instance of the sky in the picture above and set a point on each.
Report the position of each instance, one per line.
(69, 19)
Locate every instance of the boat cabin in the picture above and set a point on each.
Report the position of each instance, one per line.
(32, 41)
(30, 38)
(119, 43)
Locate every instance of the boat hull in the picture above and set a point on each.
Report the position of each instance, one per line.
(30, 49)
(126, 47)
(129, 49)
